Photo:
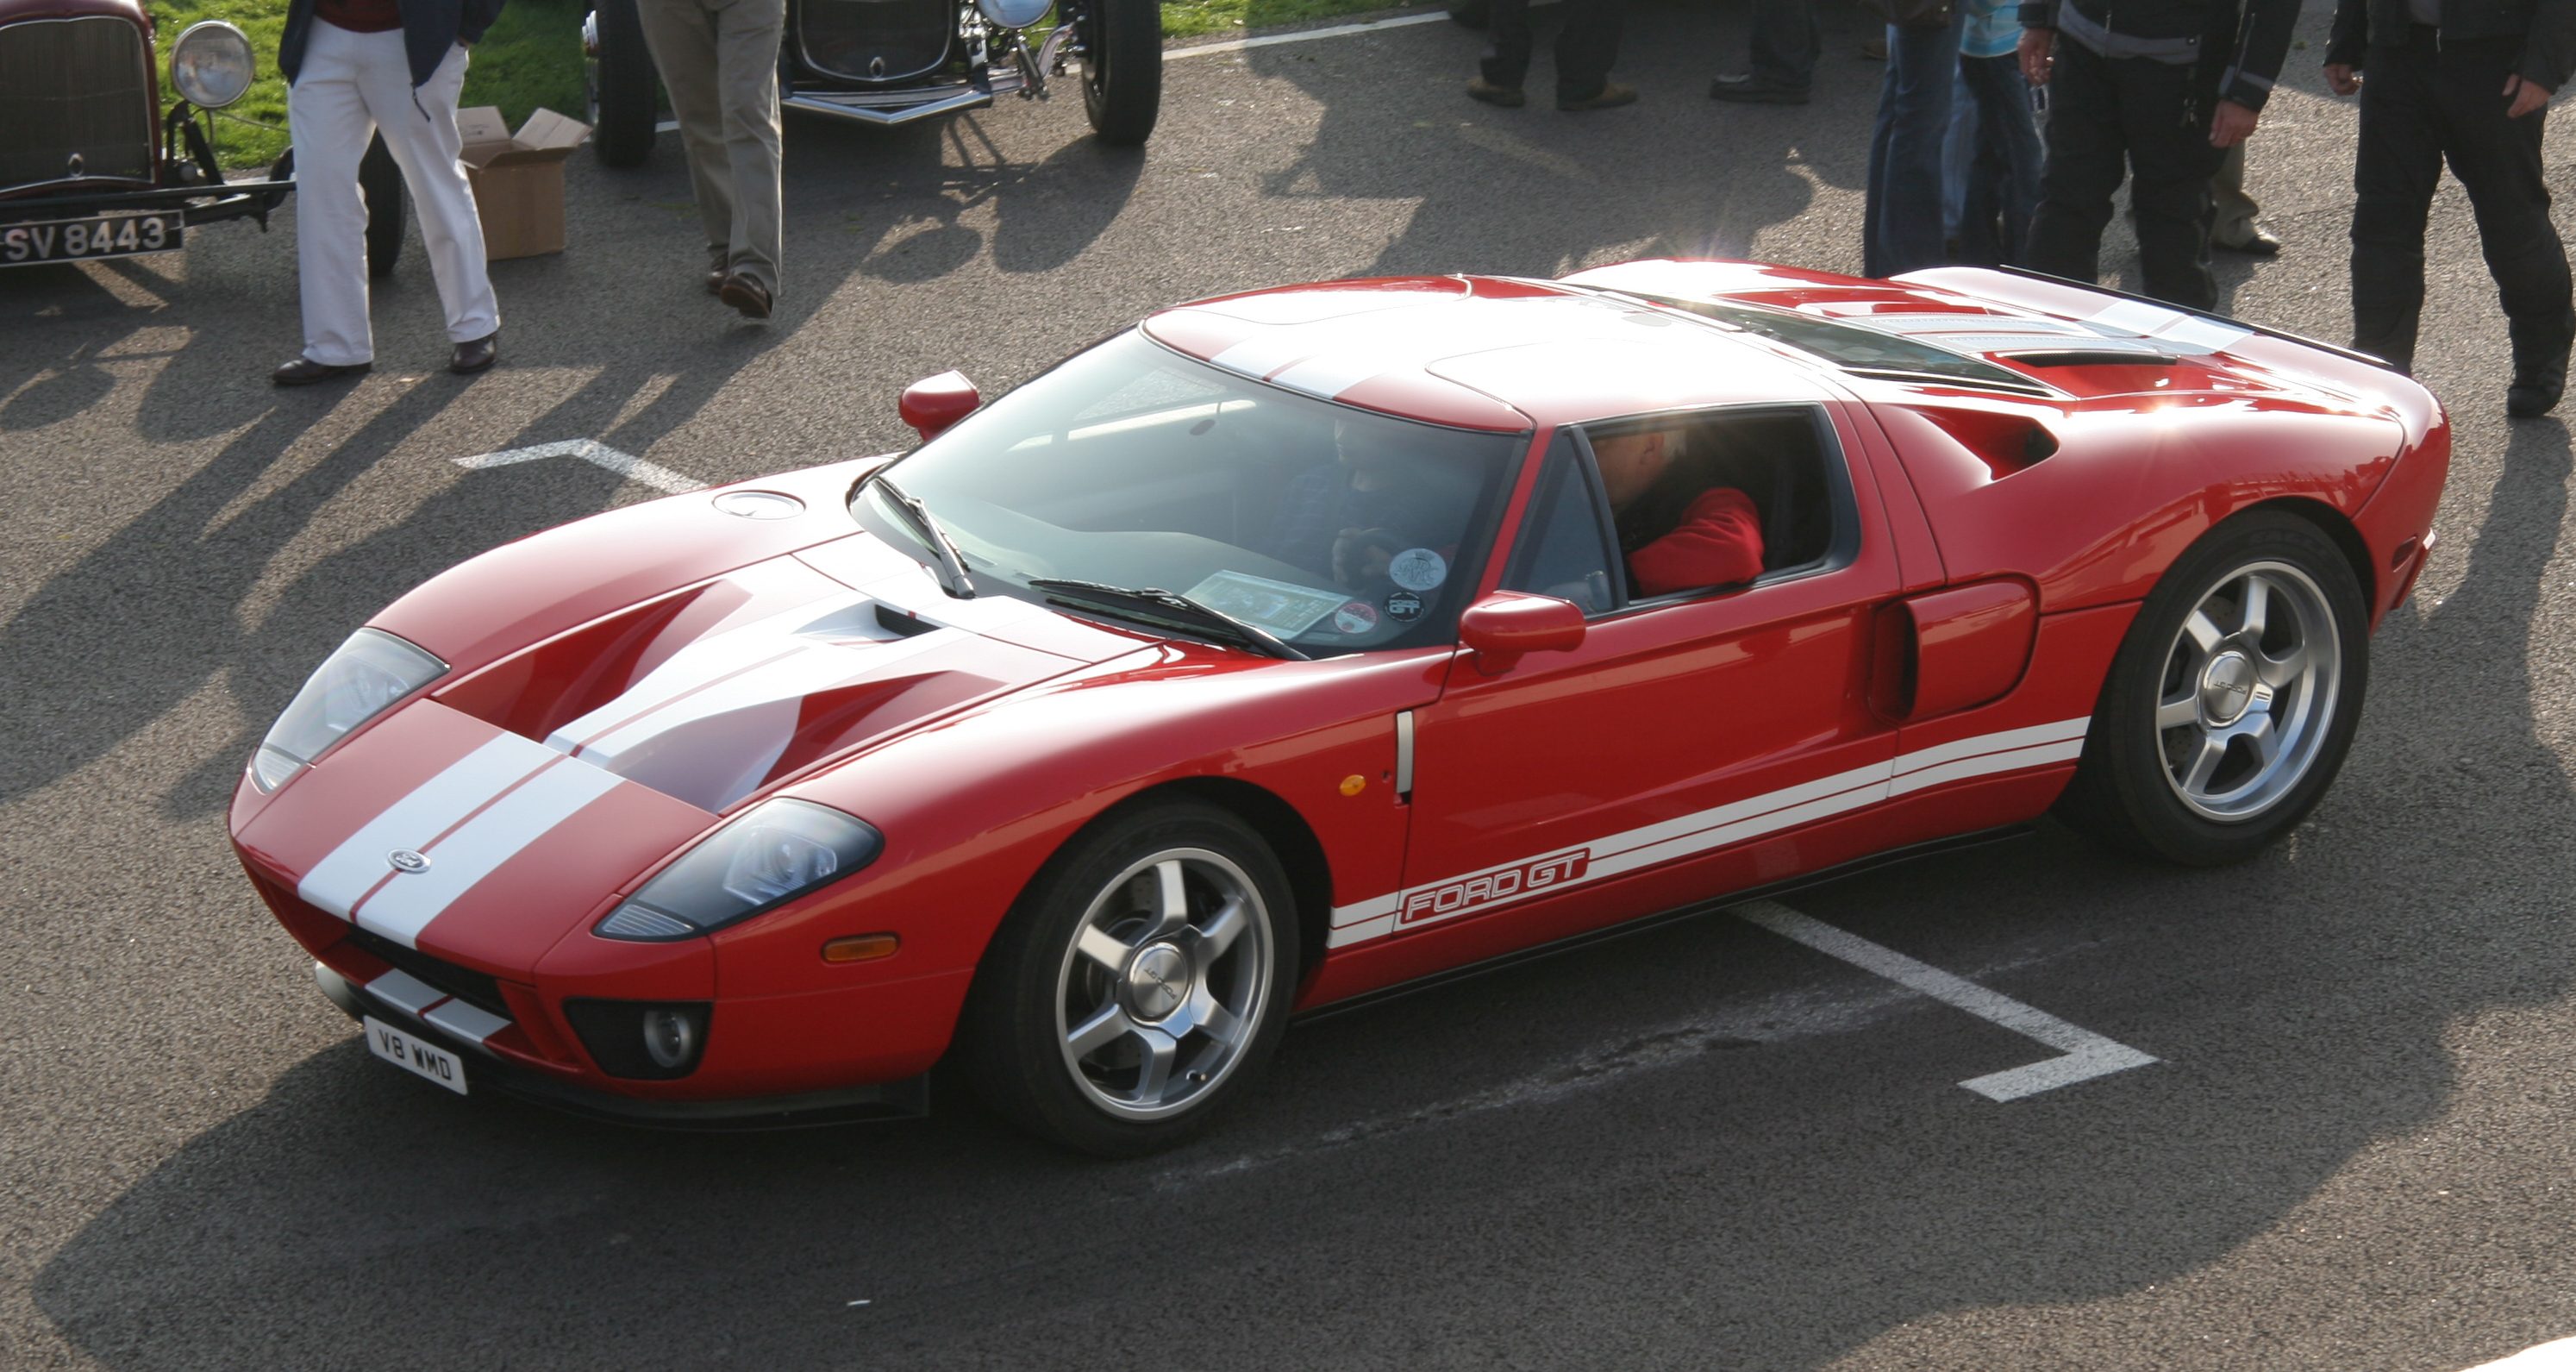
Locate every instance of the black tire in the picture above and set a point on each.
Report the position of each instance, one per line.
(2175, 764)
(1122, 69)
(380, 180)
(625, 91)
(1472, 14)
(1045, 977)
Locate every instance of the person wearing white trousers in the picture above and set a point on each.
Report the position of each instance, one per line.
(351, 85)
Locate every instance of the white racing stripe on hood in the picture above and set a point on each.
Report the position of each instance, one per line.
(341, 879)
(404, 906)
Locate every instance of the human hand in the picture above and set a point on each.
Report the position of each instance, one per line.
(2342, 79)
(2526, 96)
(2035, 51)
(2233, 124)
(1361, 556)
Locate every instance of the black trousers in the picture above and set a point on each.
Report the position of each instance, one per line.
(1585, 47)
(2423, 104)
(2154, 118)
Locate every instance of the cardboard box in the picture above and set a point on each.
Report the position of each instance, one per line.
(518, 178)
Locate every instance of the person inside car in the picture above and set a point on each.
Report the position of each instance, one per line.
(1679, 528)
(1349, 518)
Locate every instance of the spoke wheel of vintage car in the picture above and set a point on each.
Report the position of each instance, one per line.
(380, 178)
(1140, 982)
(625, 93)
(2233, 699)
(1122, 68)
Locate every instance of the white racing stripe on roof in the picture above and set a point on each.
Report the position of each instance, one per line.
(345, 875)
(405, 906)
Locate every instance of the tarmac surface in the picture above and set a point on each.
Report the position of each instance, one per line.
(1705, 1146)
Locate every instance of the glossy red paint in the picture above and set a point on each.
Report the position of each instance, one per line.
(1668, 754)
(133, 12)
(931, 405)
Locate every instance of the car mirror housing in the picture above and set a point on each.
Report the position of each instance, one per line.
(1503, 627)
(933, 404)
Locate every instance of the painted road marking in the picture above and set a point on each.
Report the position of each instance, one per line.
(2083, 1053)
(2556, 1356)
(597, 454)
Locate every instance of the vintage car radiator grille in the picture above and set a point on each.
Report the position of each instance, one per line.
(74, 88)
(875, 40)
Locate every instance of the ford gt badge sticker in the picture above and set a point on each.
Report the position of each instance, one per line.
(1355, 618)
(1417, 569)
(406, 860)
(1404, 607)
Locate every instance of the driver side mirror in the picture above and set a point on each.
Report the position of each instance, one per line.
(933, 404)
(1501, 628)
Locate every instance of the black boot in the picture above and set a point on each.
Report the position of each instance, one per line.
(2539, 367)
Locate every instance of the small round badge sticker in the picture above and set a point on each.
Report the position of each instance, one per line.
(1404, 607)
(1355, 618)
(1417, 569)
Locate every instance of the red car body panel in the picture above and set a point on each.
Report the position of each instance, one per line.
(670, 665)
(133, 12)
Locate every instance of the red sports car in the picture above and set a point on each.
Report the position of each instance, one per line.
(1292, 646)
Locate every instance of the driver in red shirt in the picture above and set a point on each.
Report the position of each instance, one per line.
(1679, 528)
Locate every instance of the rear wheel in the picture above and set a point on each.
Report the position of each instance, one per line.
(1140, 982)
(1122, 69)
(380, 180)
(2232, 702)
(625, 93)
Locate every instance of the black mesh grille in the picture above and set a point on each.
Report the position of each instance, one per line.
(474, 988)
(875, 40)
(74, 88)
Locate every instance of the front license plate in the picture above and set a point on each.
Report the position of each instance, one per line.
(417, 1056)
(106, 235)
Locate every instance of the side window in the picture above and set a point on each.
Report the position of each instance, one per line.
(1719, 499)
(1562, 550)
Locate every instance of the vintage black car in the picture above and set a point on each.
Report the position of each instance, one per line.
(891, 62)
(92, 166)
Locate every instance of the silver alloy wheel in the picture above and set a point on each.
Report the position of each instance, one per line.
(1166, 978)
(2248, 692)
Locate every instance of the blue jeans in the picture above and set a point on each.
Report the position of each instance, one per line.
(2002, 184)
(1901, 218)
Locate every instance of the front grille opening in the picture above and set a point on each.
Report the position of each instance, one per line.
(477, 989)
(76, 99)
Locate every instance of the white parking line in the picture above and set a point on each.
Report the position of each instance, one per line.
(1306, 35)
(596, 453)
(2085, 1054)
(2556, 1356)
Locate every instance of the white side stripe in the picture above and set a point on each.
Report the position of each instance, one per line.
(2012, 761)
(2009, 739)
(406, 905)
(344, 876)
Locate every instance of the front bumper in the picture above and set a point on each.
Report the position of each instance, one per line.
(203, 204)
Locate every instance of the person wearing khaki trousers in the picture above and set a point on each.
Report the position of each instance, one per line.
(719, 61)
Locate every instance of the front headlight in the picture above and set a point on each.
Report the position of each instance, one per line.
(211, 64)
(355, 684)
(777, 850)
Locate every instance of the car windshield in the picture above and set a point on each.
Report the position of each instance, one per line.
(1322, 527)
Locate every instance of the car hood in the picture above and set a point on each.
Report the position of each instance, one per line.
(502, 812)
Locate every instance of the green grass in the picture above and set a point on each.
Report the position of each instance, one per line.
(532, 56)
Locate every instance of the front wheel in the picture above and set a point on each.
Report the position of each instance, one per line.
(380, 180)
(625, 91)
(1139, 983)
(2232, 701)
(1122, 69)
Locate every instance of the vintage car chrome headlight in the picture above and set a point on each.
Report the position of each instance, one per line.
(355, 684)
(1015, 14)
(211, 64)
(775, 851)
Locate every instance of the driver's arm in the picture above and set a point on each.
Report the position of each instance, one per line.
(1718, 543)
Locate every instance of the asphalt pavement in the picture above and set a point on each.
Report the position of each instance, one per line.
(1704, 1146)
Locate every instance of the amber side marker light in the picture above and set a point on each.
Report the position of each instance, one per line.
(861, 948)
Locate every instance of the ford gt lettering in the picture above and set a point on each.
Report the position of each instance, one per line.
(1458, 897)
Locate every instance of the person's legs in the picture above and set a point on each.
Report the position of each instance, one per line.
(1784, 43)
(1508, 64)
(681, 34)
(327, 118)
(420, 131)
(2170, 162)
(1587, 46)
(2396, 164)
(2085, 163)
(1903, 207)
(2498, 161)
(1958, 156)
(747, 35)
(2232, 210)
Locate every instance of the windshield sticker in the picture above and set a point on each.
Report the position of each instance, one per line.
(1355, 618)
(1417, 569)
(1404, 607)
(1282, 607)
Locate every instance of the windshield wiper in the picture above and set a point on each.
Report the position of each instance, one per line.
(951, 563)
(1175, 605)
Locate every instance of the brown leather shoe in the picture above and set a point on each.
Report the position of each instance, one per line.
(1508, 97)
(475, 355)
(746, 295)
(1610, 97)
(304, 371)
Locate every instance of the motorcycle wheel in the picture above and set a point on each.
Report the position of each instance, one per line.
(380, 180)
(1122, 69)
(625, 94)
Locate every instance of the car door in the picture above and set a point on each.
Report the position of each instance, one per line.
(1681, 730)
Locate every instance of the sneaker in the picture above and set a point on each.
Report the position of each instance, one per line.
(1610, 97)
(1509, 97)
(1750, 89)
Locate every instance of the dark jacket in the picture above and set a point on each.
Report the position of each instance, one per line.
(430, 28)
(2545, 28)
(2251, 41)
